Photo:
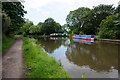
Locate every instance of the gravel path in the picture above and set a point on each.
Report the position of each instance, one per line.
(12, 61)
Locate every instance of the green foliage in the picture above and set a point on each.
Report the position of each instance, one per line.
(71, 34)
(39, 64)
(95, 16)
(15, 10)
(65, 28)
(6, 42)
(108, 29)
(50, 26)
(5, 22)
(83, 76)
(97, 36)
(88, 21)
(81, 33)
(34, 29)
(26, 29)
(117, 10)
(89, 26)
(74, 19)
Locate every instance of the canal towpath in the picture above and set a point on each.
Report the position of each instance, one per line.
(12, 61)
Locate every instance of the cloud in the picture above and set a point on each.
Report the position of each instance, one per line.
(39, 10)
(35, 3)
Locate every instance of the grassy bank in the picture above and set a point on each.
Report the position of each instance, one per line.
(98, 37)
(6, 43)
(39, 64)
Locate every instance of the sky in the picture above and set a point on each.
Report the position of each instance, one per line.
(40, 10)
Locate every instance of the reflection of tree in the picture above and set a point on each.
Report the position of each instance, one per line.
(100, 56)
(50, 45)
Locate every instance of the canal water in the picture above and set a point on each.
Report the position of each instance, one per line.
(93, 60)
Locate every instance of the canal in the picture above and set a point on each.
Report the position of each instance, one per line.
(93, 60)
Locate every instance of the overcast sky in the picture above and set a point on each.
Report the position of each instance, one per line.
(40, 10)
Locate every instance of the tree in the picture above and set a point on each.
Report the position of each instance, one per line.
(109, 29)
(40, 24)
(58, 28)
(94, 17)
(34, 30)
(86, 21)
(118, 15)
(89, 27)
(74, 18)
(26, 28)
(5, 22)
(50, 26)
(15, 10)
(65, 28)
(117, 10)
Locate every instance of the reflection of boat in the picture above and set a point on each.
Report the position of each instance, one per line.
(84, 41)
(86, 37)
(58, 34)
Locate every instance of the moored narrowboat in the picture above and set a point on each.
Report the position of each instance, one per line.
(91, 37)
(58, 38)
(58, 34)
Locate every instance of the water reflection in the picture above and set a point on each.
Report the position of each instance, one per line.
(77, 57)
(83, 41)
(51, 44)
(100, 56)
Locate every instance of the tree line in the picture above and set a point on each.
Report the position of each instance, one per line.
(42, 28)
(102, 20)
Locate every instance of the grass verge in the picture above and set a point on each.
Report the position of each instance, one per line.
(97, 37)
(6, 43)
(39, 64)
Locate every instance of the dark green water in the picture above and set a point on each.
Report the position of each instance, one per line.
(98, 60)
